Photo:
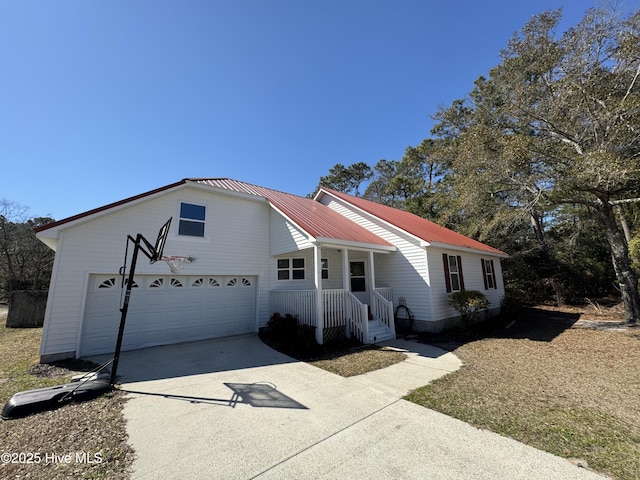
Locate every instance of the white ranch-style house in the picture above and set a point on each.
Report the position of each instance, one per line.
(337, 262)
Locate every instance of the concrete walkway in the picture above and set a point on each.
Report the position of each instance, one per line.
(234, 408)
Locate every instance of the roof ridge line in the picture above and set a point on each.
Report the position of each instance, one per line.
(246, 183)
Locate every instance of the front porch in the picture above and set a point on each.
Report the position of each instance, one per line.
(333, 288)
(338, 312)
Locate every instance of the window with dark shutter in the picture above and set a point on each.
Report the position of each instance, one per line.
(453, 278)
(460, 275)
(447, 279)
(488, 274)
(484, 274)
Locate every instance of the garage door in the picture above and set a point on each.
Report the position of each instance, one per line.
(167, 309)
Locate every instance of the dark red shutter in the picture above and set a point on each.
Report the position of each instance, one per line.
(447, 279)
(460, 272)
(495, 277)
(484, 274)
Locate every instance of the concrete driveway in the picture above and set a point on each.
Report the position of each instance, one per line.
(233, 408)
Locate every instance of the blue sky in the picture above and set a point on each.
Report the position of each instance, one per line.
(102, 100)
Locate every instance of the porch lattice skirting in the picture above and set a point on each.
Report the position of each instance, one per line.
(333, 334)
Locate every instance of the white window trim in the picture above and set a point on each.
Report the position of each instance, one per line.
(290, 269)
(456, 273)
(490, 275)
(180, 219)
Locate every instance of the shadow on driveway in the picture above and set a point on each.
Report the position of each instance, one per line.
(260, 395)
(194, 358)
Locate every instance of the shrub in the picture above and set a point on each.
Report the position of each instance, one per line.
(306, 338)
(285, 335)
(467, 303)
(283, 328)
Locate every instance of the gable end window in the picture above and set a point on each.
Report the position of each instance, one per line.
(453, 277)
(290, 268)
(488, 274)
(192, 219)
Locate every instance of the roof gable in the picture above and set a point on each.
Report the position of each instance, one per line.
(319, 221)
(415, 225)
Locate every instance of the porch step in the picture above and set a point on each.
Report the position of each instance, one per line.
(379, 332)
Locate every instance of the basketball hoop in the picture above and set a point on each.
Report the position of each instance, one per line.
(176, 262)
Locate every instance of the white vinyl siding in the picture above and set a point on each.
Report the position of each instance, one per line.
(306, 283)
(405, 270)
(236, 246)
(334, 270)
(416, 272)
(286, 237)
(473, 280)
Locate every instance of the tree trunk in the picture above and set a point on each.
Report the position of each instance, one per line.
(536, 224)
(620, 256)
(545, 257)
(625, 224)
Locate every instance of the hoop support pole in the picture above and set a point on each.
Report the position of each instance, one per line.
(125, 306)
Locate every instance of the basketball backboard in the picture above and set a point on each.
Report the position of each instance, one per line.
(160, 242)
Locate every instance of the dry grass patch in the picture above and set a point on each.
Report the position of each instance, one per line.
(95, 429)
(574, 392)
(357, 362)
(345, 357)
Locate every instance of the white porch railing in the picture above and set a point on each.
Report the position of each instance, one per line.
(357, 318)
(383, 310)
(386, 292)
(333, 302)
(299, 303)
(340, 307)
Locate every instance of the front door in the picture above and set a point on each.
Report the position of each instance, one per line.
(358, 281)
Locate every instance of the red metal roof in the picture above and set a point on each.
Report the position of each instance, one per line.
(420, 227)
(316, 219)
